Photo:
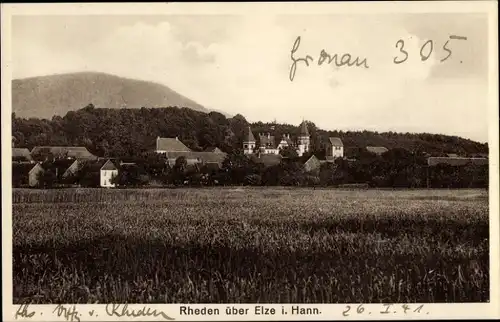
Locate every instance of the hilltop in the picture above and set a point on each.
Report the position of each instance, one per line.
(46, 96)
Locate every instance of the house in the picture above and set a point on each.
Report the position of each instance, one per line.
(173, 148)
(457, 161)
(164, 145)
(268, 144)
(26, 174)
(43, 153)
(62, 168)
(312, 164)
(378, 150)
(335, 149)
(98, 173)
(21, 155)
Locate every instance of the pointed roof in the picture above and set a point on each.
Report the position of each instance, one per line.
(335, 141)
(249, 136)
(303, 129)
(109, 165)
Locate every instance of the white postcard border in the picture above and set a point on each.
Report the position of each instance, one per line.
(328, 311)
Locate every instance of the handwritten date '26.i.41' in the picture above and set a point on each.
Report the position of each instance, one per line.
(349, 60)
(386, 309)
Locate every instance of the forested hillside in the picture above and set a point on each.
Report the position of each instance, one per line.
(126, 132)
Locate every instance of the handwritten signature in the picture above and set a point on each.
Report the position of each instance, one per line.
(345, 60)
(123, 310)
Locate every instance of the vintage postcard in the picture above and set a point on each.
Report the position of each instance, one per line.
(250, 161)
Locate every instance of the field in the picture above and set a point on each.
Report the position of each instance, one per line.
(250, 245)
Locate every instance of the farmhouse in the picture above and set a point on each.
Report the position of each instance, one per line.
(378, 150)
(268, 144)
(456, 161)
(173, 148)
(43, 153)
(335, 149)
(21, 155)
(62, 168)
(99, 173)
(26, 174)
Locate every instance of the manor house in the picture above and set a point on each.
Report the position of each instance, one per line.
(268, 144)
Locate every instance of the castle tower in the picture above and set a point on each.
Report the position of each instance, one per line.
(248, 142)
(303, 140)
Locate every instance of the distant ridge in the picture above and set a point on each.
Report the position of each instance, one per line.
(46, 96)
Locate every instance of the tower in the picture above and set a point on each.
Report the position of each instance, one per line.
(303, 140)
(248, 142)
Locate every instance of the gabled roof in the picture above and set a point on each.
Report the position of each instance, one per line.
(303, 129)
(266, 159)
(335, 141)
(249, 136)
(170, 145)
(433, 161)
(21, 153)
(377, 149)
(312, 158)
(109, 165)
(77, 152)
(58, 166)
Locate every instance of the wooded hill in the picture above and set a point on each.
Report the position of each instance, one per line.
(129, 132)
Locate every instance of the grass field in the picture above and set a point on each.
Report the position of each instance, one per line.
(250, 245)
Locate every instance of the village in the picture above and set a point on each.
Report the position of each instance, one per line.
(69, 166)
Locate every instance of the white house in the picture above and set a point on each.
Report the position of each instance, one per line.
(107, 172)
(335, 149)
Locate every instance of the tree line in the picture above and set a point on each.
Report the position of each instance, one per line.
(128, 132)
(397, 168)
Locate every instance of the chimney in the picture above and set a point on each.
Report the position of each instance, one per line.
(268, 135)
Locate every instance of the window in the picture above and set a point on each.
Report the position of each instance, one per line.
(246, 146)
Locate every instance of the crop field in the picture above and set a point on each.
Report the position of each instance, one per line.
(250, 245)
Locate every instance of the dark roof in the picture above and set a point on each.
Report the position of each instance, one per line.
(303, 129)
(109, 165)
(77, 152)
(266, 159)
(171, 145)
(335, 141)
(433, 161)
(249, 135)
(98, 165)
(377, 149)
(206, 157)
(21, 152)
(267, 141)
(60, 166)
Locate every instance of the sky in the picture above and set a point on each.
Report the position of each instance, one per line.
(241, 64)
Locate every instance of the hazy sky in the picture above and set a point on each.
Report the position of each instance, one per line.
(240, 64)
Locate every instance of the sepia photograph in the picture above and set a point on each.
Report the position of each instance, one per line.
(258, 157)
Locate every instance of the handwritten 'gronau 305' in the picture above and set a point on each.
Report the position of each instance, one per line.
(350, 61)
